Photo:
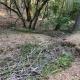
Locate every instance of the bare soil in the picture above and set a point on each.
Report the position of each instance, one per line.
(10, 42)
(72, 73)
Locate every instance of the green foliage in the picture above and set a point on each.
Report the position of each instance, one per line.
(49, 23)
(62, 20)
(75, 10)
(61, 13)
(63, 62)
(31, 53)
(50, 69)
(26, 49)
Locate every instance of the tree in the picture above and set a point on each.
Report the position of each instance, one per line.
(19, 10)
(37, 13)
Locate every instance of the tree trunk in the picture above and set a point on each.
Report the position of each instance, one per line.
(30, 24)
(34, 24)
(34, 21)
(36, 15)
(24, 23)
(57, 27)
(27, 5)
(76, 26)
(28, 14)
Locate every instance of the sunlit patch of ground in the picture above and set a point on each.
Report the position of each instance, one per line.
(2, 14)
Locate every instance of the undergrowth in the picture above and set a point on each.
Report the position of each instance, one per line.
(37, 53)
(35, 62)
(63, 62)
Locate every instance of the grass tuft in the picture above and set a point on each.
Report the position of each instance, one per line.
(63, 62)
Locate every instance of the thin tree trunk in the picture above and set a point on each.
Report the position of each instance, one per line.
(28, 14)
(35, 18)
(28, 9)
(34, 24)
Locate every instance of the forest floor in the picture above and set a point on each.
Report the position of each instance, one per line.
(9, 48)
(11, 40)
(73, 73)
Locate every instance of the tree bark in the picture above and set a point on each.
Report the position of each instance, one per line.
(37, 13)
(27, 5)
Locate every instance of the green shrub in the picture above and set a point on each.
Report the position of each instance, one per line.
(63, 62)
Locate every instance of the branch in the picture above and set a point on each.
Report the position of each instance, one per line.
(9, 8)
(38, 10)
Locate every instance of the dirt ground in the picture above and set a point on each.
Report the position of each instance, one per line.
(10, 40)
(9, 47)
(74, 39)
(72, 73)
